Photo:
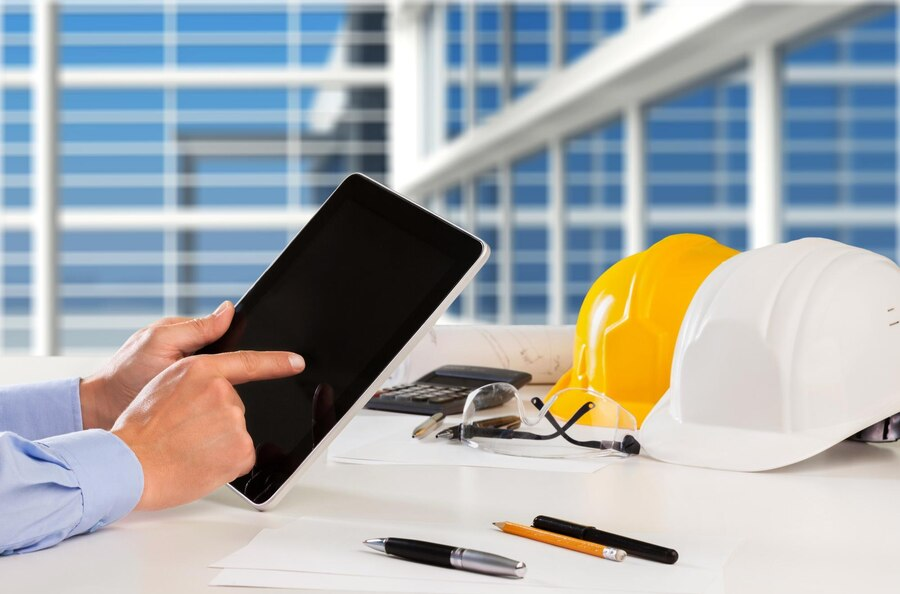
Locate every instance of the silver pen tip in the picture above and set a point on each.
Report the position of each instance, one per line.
(520, 569)
(375, 543)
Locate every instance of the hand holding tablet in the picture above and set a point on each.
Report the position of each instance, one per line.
(352, 293)
(194, 402)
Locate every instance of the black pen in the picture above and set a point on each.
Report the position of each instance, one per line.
(635, 548)
(447, 556)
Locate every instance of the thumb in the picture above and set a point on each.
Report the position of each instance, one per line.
(195, 333)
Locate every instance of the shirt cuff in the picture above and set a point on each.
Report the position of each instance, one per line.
(109, 475)
(40, 410)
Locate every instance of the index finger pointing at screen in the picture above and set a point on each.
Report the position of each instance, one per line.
(240, 367)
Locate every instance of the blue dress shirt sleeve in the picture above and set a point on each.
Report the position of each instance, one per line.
(41, 410)
(62, 484)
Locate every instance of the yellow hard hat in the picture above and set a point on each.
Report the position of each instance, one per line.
(629, 320)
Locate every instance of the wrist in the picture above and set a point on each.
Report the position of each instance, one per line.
(90, 392)
(146, 500)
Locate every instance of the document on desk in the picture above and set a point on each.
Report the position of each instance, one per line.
(374, 437)
(328, 554)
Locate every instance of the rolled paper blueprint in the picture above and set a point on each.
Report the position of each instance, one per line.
(543, 351)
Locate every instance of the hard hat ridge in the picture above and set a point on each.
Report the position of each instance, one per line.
(626, 329)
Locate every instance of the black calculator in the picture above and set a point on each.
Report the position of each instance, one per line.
(443, 390)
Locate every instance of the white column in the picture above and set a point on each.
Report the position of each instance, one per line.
(765, 148)
(556, 229)
(635, 208)
(171, 186)
(506, 49)
(408, 90)
(632, 12)
(558, 36)
(469, 76)
(468, 220)
(505, 241)
(44, 179)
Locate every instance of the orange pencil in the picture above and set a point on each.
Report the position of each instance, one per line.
(566, 542)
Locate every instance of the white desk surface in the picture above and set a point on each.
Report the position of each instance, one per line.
(829, 524)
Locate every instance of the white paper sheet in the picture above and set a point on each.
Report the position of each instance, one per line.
(386, 438)
(329, 554)
(297, 580)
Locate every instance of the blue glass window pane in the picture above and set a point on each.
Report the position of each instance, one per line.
(454, 97)
(316, 54)
(613, 18)
(17, 55)
(873, 193)
(681, 162)
(454, 54)
(17, 22)
(136, 22)
(488, 54)
(530, 19)
(812, 96)
(825, 51)
(881, 161)
(811, 130)
(824, 232)
(90, 99)
(531, 54)
(454, 18)
(521, 89)
(578, 18)
(453, 197)
(688, 194)
(111, 164)
(232, 99)
(813, 161)
(273, 21)
(111, 54)
(16, 100)
(878, 239)
(228, 54)
(811, 194)
(530, 239)
(884, 52)
(111, 132)
(702, 97)
(575, 50)
(487, 18)
(873, 96)
(321, 21)
(873, 130)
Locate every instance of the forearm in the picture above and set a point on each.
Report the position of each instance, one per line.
(63, 486)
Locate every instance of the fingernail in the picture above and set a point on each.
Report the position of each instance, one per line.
(297, 362)
(221, 309)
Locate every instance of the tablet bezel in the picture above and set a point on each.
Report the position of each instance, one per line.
(316, 223)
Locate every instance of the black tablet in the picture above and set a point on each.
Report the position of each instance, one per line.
(353, 292)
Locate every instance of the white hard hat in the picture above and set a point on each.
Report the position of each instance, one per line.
(784, 351)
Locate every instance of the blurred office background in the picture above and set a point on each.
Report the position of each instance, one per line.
(156, 156)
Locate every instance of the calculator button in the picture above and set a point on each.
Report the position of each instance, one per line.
(442, 399)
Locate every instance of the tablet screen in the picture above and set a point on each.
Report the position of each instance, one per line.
(347, 293)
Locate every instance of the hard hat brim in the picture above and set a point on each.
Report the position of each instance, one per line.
(664, 437)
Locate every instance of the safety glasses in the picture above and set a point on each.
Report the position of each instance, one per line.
(572, 423)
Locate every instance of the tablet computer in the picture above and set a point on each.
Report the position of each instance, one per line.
(352, 293)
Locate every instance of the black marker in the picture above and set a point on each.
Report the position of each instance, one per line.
(635, 548)
(447, 556)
